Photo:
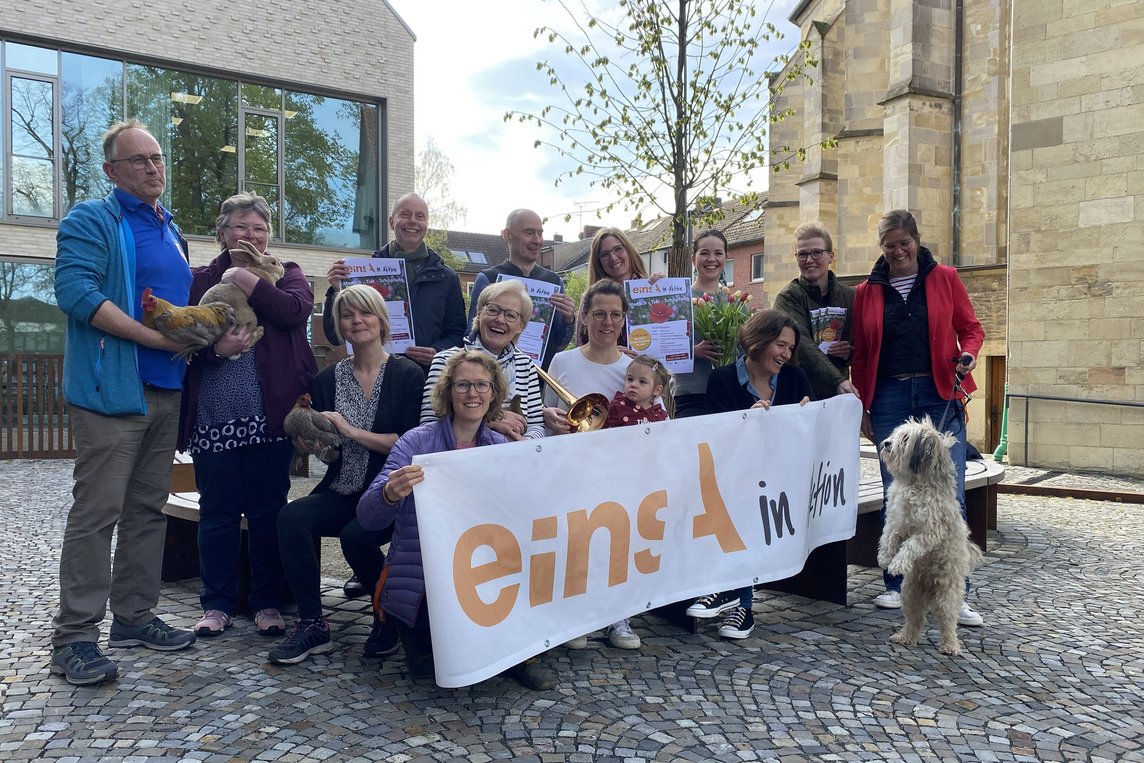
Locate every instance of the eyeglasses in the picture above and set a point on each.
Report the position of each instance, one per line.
(615, 251)
(463, 387)
(140, 162)
(905, 246)
(250, 230)
(510, 316)
(601, 315)
(815, 254)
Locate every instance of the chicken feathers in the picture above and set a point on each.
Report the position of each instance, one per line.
(193, 327)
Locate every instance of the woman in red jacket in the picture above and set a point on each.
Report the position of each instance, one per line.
(913, 328)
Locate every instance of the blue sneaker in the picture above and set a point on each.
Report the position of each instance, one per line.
(308, 637)
(383, 640)
(154, 634)
(81, 664)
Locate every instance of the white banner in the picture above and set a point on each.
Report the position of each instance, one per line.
(528, 544)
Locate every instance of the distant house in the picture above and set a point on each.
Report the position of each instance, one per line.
(743, 225)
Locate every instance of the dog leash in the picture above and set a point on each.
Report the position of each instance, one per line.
(957, 377)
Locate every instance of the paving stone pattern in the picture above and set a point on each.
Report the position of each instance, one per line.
(1057, 674)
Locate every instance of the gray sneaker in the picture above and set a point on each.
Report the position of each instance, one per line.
(81, 663)
(155, 634)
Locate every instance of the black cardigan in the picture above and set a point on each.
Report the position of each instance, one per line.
(724, 393)
(398, 409)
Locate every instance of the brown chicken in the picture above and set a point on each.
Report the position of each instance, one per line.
(193, 327)
(319, 433)
(265, 266)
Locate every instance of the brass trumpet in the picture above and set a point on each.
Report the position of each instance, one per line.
(584, 413)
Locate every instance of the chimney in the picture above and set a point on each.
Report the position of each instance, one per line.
(589, 231)
(558, 238)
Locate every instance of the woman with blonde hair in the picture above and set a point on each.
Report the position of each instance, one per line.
(371, 398)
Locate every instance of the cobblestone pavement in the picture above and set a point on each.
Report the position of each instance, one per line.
(1056, 674)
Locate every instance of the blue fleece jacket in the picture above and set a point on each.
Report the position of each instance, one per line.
(95, 263)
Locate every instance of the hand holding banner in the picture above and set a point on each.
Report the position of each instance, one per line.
(526, 545)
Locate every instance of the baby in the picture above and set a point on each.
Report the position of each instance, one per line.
(645, 381)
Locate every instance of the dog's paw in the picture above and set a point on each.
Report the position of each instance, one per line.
(903, 639)
(952, 648)
(899, 566)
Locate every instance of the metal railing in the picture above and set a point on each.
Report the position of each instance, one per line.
(1056, 398)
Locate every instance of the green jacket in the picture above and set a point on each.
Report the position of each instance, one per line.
(802, 301)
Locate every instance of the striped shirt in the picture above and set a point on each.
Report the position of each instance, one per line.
(519, 372)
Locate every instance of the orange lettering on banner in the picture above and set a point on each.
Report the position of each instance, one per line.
(581, 527)
(466, 577)
(714, 520)
(650, 527)
(542, 566)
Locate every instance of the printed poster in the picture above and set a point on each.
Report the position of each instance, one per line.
(534, 339)
(826, 325)
(388, 276)
(659, 321)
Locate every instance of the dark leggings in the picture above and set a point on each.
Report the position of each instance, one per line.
(325, 515)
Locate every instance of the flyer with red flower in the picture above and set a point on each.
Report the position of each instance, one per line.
(659, 321)
(387, 276)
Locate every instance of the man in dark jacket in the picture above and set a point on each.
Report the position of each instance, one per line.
(434, 289)
(524, 234)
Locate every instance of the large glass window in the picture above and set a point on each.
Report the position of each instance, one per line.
(331, 171)
(30, 321)
(195, 120)
(91, 98)
(315, 158)
(32, 139)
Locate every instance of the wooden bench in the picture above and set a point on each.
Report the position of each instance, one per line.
(824, 576)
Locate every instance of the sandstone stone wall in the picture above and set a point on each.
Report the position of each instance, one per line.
(1076, 227)
(893, 65)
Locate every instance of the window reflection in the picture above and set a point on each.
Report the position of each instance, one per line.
(194, 118)
(30, 321)
(33, 142)
(31, 59)
(56, 106)
(91, 99)
(331, 172)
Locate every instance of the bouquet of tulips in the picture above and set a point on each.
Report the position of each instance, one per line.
(719, 317)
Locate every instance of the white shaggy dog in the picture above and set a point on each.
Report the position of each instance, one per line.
(925, 539)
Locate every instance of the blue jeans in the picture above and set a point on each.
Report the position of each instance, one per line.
(897, 400)
(253, 481)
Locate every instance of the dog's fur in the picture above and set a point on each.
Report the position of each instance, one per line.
(925, 539)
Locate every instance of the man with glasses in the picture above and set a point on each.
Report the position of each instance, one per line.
(122, 383)
(434, 289)
(821, 308)
(524, 234)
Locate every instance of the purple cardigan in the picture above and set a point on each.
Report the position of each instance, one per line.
(284, 358)
(404, 589)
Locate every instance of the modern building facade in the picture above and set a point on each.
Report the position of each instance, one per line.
(311, 109)
(1012, 130)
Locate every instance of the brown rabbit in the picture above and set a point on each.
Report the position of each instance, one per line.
(264, 266)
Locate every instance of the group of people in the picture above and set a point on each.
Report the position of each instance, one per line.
(894, 342)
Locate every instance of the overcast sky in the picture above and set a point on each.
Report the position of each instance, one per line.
(475, 61)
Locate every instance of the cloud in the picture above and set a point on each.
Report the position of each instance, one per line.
(475, 61)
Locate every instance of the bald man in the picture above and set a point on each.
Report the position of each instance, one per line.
(434, 289)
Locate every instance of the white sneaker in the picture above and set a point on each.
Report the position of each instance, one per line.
(580, 642)
(621, 636)
(888, 600)
(969, 618)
